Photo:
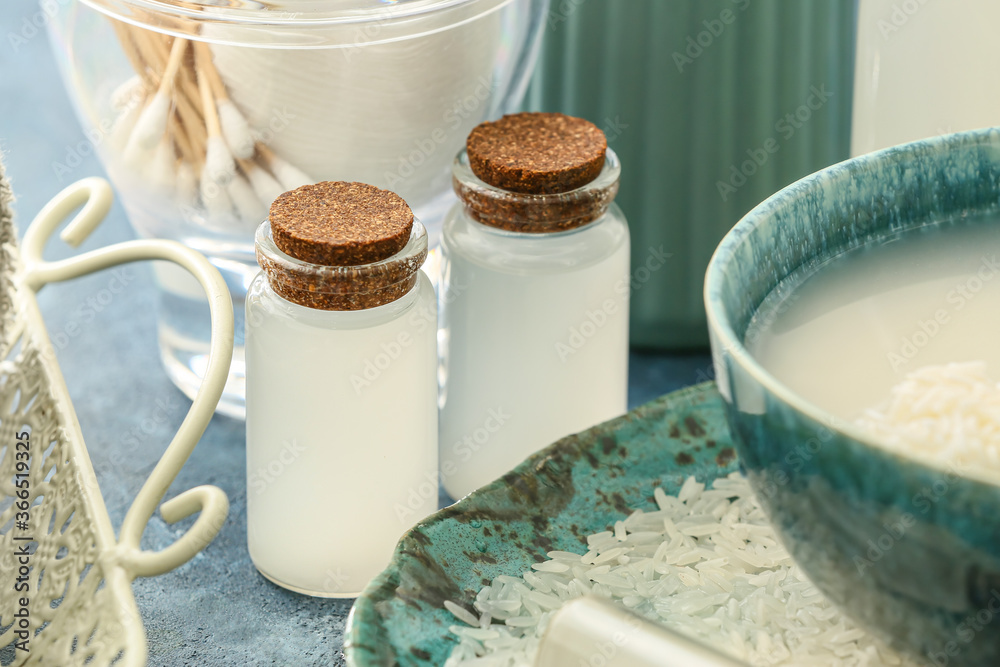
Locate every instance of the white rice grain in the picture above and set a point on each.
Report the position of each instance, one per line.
(461, 613)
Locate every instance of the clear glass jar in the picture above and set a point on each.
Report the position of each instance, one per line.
(341, 417)
(304, 91)
(534, 324)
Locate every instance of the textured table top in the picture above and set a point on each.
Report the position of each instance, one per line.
(215, 610)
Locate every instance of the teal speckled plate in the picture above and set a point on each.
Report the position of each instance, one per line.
(578, 486)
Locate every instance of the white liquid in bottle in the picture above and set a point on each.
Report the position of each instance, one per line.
(559, 342)
(341, 437)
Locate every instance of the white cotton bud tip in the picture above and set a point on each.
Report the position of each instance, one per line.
(219, 163)
(214, 197)
(236, 130)
(290, 177)
(129, 94)
(264, 185)
(249, 207)
(121, 131)
(136, 155)
(152, 122)
(160, 171)
(187, 185)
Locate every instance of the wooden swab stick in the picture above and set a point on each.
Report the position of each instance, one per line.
(173, 63)
(187, 81)
(179, 133)
(214, 78)
(153, 51)
(125, 37)
(189, 112)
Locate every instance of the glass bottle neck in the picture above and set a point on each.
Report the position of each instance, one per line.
(341, 287)
(535, 214)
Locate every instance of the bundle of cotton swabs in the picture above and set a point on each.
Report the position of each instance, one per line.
(179, 129)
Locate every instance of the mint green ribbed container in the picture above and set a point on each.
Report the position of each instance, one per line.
(681, 120)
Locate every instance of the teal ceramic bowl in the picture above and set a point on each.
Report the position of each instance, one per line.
(909, 549)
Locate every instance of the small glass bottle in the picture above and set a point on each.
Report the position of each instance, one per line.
(534, 295)
(341, 387)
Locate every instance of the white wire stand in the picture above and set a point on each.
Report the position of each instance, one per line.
(56, 538)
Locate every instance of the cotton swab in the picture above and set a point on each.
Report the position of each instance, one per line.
(219, 164)
(290, 177)
(263, 183)
(129, 94)
(160, 171)
(235, 129)
(214, 196)
(136, 154)
(248, 205)
(187, 184)
(123, 126)
(152, 122)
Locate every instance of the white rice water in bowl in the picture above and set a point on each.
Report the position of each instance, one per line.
(843, 332)
(901, 337)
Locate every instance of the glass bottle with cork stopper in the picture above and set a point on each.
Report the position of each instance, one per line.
(534, 294)
(341, 387)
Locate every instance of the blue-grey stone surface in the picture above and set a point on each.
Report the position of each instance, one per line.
(215, 610)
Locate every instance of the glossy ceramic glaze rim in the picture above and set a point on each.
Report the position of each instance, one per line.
(725, 340)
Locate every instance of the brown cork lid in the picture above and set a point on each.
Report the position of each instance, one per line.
(537, 153)
(336, 223)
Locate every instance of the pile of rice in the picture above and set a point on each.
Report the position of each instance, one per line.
(948, 413)
(706, 563)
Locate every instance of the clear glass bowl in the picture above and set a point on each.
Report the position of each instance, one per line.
(203, 112)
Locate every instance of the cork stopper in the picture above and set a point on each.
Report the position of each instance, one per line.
(341, 246)
(335, 223)
(537, 153)
(536, 173)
